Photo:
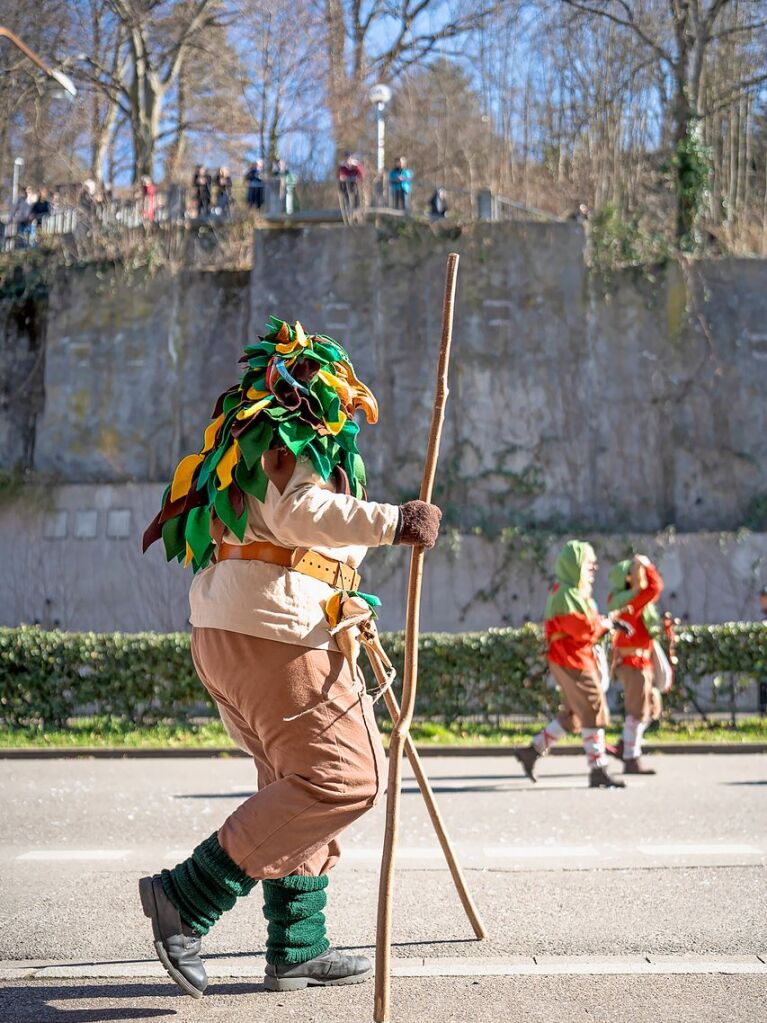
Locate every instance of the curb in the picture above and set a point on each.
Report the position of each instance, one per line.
(170, 753)
(227, 968)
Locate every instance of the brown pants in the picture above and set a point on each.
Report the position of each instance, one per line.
(583, 702)
(316, 774)
(637, 690)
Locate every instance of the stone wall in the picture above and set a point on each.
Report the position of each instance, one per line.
(71, 557)
(629, 404)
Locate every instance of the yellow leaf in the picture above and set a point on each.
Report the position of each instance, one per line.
(333, 610)
(253, 410)
(182, 477)
(337, 426)
(301, 339)
(210, 433)
(226, 466)
(254, 395)
(189, 556)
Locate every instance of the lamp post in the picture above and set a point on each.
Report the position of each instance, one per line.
(18, 163)
(379, 96)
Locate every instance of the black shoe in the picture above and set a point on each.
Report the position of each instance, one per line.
(600, 779)
(634, 765)
(332, 967)
(177, 946)
(527, 758)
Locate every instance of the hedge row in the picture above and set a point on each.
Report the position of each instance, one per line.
(47, 676)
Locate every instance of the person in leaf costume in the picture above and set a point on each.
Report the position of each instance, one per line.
(635, 585)
(272, 516)
(572, 628)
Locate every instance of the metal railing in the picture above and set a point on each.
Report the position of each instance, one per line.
(280, 201)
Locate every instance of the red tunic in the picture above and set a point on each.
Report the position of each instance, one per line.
(571, 638)
(635, 650)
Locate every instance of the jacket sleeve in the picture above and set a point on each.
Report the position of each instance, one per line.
(646, 596)
(307, 515)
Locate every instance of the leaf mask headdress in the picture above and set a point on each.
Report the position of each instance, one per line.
(298, 392)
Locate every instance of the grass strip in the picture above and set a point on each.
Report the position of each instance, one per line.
(109, 733)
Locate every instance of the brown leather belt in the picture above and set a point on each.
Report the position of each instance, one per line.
(307, 562)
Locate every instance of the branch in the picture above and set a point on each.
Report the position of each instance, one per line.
(200, 19)
(733, 94)
(627, 22)
(752, 27)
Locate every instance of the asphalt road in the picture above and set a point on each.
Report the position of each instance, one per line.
(575, 886)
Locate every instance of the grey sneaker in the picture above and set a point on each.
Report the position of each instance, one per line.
(177, 946)
(331, 968)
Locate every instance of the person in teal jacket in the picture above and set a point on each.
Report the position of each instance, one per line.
(401, 184)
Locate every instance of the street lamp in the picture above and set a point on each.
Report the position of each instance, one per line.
(379, 95)
(18, 163)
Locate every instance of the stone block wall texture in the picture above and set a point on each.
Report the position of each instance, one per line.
(629, 404)
(616, 406)
(71, 558)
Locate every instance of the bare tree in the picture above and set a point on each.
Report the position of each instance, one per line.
(155, 38)
(682, 36)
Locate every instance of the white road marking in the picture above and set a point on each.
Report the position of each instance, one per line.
(534, 852)
(413, 853)
(515, 966)
(74, 854)
(703, 849)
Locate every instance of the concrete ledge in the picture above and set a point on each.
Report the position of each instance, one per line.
(138, 753)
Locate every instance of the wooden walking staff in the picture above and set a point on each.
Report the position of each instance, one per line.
(401, 729)
(380, 672)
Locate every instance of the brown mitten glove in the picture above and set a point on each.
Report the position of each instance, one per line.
(418, 524)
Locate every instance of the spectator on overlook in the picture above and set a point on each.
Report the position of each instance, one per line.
(41, 208)
(350, 176)
(22, 214)
(149, 199)
(401, 184)
(254, 178)
(224, 191)
(438, 204)
(201, 183)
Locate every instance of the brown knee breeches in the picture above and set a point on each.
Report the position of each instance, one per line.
(637, 690)
(317, 773)
(583, 702)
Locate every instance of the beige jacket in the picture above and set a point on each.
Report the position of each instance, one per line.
(272, 602)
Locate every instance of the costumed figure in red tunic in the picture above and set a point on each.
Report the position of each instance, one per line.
(638, 662)
(572, 628)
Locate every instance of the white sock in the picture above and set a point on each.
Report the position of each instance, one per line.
(545, 739)
(633, 730)
(594, 746)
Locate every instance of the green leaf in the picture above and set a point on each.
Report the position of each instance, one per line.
(226, 513)
(173, 537)
(197, 532)
(251, 480)
(296, 434)
(255, 441)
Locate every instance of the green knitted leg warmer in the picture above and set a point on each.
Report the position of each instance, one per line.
(206, 885)
(293, 906)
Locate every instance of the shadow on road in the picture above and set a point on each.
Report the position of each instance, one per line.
(31, 1002)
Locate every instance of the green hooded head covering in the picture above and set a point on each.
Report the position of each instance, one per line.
(565, 596)
(622, 594)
